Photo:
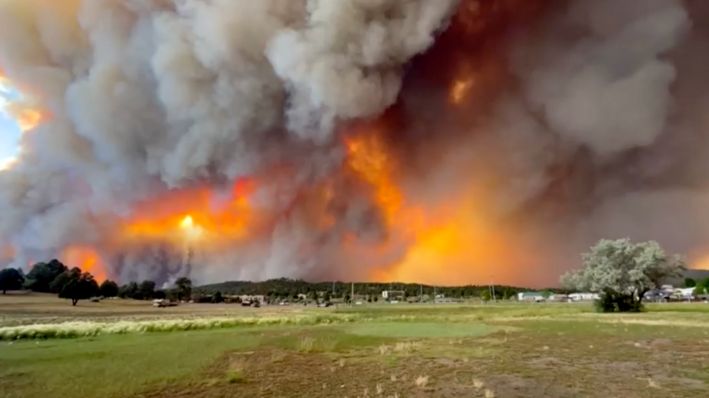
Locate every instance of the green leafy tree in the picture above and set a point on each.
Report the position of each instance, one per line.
(108, 288)
(79, 286)
(621, 272)
(43, 274)
(699, 290)
(702, 287)
(184, 288)
(689, 282)
(704, 282)
(11, 279)
(486, 295)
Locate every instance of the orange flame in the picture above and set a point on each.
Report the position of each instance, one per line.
(460, 89)
(453, 233)
(87, 259)
(191, 214)
(367, 158)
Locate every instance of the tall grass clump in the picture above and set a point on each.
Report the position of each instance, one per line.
(88, 329)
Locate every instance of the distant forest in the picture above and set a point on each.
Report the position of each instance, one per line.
(287, 288)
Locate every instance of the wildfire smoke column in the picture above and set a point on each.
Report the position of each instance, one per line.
(149, 102)
(434, 141)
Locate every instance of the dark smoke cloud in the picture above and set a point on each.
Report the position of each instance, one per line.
(591, 127)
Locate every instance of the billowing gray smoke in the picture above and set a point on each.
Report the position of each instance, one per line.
(148, 95)
(589, 124)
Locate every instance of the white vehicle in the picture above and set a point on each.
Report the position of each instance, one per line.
(160, 303)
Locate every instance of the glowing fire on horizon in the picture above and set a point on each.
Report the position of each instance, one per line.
(451, 234)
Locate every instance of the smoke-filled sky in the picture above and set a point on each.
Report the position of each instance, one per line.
(439, 141)
(9, 129)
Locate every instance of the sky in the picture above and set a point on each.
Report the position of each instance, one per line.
(9, 130)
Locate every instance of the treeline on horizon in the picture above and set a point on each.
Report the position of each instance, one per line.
(76, 284)
(285, 288)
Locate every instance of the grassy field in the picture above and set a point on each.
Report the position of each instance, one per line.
(502, 350)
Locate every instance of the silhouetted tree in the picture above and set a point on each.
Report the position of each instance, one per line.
(108, 288)
(217, 298)
(11, 279)
(62, 279)
(184, 288)
(79, 286)
(43, 274)
(146, 290)
(129, 290)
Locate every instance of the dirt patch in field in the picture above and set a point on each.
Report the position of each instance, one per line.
(282, 373)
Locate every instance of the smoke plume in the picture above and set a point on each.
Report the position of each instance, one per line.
(445, 141)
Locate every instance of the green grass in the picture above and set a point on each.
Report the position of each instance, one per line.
(419, 329)
(110, 366)
(554, 350)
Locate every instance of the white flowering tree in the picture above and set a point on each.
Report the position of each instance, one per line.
(621, 272)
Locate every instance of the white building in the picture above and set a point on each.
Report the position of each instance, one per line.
(583, 296)
(530, 296)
